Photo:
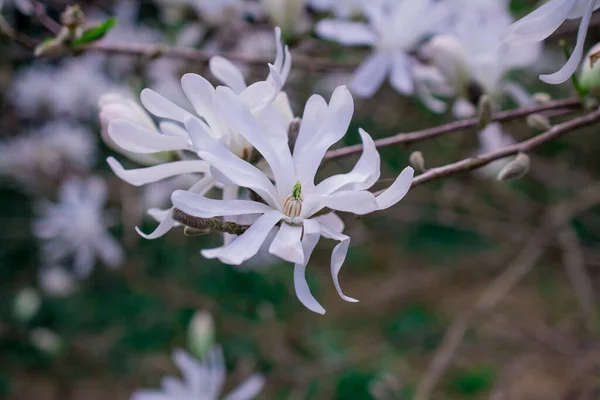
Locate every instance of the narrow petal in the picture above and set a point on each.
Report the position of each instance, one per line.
(247, 390)
(357, 202)
(397, 191)
(312, 233)
(248, 244)
(137, 139)
(287, 244)
(202, 96)
(161, 107)
(370, 75)
(314, 112)
(332, 220)
(203, 207)
(338, 256)
(84, 261)
(142, 176)
(540, 24)
(346, 32)
(401, 77)
(227, 73)
(165, 226)
(573, 63)
(518, 93)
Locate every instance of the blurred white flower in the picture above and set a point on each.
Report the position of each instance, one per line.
(202, 380)
(24, 6)
(76, 227)
(26, 304)
(56, 281)
(289, 15)
(47, 153)
(46, 341)
(339, 8)
(294, 201)
(393, 29)
(211, 12)
(493, 138)
(541, 23)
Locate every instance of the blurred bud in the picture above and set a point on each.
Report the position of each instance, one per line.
(72, 16)
(46, 341)
(590, 103)
(417, 161)
(515, 169)
(286, 14)
(538, 122)
(50, 47)
(26, 304)
(484, 112)
(448, 55)
(189, 231)
(541, 98)
(589, 76)
(115, 106)
(56, 281)
(201, 333)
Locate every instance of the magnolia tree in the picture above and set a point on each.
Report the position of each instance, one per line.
(246, 160)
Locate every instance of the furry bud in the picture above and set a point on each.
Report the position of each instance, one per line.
(417, 161)
(515, 169)
(538, 122)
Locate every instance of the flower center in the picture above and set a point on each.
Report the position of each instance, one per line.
(292, 207)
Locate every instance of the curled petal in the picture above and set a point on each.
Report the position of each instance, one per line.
(142, 176)
(137, 139)
(337, 258)
(397, 191)
(312, 233)
(287, 244)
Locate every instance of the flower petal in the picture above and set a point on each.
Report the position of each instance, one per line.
(137, 139)
(337, 258)
(312, 233)
(109, 250)
(203, 207)
(165, 226)
(370, 75)
(332, 220)
(397, 191)
(202, 96)
(226, 72)
(540, 24)
(314, 113)
(248, 244)
(247, 390)
(356, 202)
(287, 244)
(84, 260)
(162, 107)
(142, 176)
(346, 32)
(401, 77)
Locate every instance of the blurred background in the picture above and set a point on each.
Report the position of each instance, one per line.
(418, 268)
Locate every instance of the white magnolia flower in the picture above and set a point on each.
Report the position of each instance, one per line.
(56, 281)
(47, 152)
(293, 201)
(76, 227)
(201, 381)
(262, 97)
(493, 138)
(393, 29)
(339, 8)
(541, 23)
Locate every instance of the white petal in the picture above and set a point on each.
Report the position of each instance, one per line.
(540, 24)
(137, 139)
(161, 107)
(149, 395)
(84, 260)
(337, 258)
(227, 73)
(462, 108)
(312, 233)
(142, 176)
(346, 32)
(397, 191)
(171, 128)
(203, 207)
(259, 94)
(247, 390)
(287, 244)
(518, 93)
(158, 214)
(165, 226)
(573, 63)
(202, 96)
(248, 244)
(401, 77)
(332, 220)
(314, 112)
(356, 202)
(369, 76)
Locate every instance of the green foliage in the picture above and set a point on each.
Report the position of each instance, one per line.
(95, 33)
(415, 329)
(471, 382)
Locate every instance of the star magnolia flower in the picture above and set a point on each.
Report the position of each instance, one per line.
(541, 23)
(393, 29)
(76, 227)
(293, 201)
(129, 132)
(201, 381)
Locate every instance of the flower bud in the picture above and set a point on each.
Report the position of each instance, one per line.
(56, 281)
(286, 14)
(26, 304)
(541, 98)
(46, 341)
(201, 332)
(484, 112)
(589, 77)
(417, 161)
(538, 122)
(448, 55)
(515, 169)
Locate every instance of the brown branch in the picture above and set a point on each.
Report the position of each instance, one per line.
(203, 226)
(39, 12)
(472, 163)
(430, 133)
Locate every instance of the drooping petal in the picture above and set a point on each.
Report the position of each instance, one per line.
(346, 32)
(247, 390)
(312, 233)
(337, 258)
(397, 191)
(287, 244)
(248, 244)
(165, 226)
(203, 207)
(137, 139)
(227, 73)
(575, 59)
(162, 107)
(401, 77)
(142, 176)
(370, 75)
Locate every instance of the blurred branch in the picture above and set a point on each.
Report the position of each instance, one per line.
(557, 217)
(7, 31)
(39, 12)
(430, 133)
(479, 161)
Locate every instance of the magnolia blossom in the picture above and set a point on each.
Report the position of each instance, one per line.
(393, 29)
(301, 208)
(541, 23)
(76, 227)
(132, 136)
(202, 380)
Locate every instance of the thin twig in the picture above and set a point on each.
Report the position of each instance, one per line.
(453, 127)
(39, 12)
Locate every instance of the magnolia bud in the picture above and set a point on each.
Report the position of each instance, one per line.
(449, 56)
(515, 169)
(50, 47)
(538, 122)
(201, 332)
(484, 112)
(417, 161)
(26, 304)
(286, 14)
(541, 98)
(589, 77)
(46, 341)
